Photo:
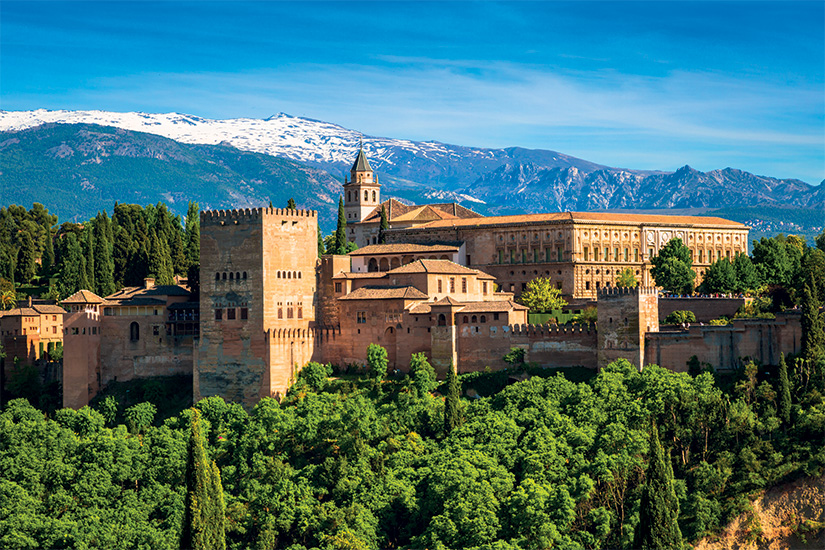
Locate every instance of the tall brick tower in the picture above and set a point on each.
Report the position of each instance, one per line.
(624, 316)
(257, 303)
(362, 192)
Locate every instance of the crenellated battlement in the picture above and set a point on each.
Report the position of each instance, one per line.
(245, 215)
(550, 330)
(626, 291)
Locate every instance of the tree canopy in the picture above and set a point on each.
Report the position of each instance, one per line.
(542, 296)
(672, 268)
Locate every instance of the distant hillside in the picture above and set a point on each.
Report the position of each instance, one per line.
(76, 170)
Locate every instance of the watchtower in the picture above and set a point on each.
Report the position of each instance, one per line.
(624, 316)
(257, 302)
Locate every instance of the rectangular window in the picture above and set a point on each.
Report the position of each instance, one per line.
(280, 313)
(54, 317)
(535, 255)
(626, 254)
(218, 314)
(464, 285)
(701, 256)
(230, 314)
(300, 313)
(452, 284)
(54, 330)
(616, 254)
(244, 314)
(548, 255)
(718, 255)
(524, 256)
(587, 285)
(289, 313)
(469, 261)
(606, 254)
(439, 287)
(596, 253)
(94, 330)
(501, 256)
(484, 287)
(495, 316)
(727, 253)
(512, 256)
(586, 254)
(337, 287)
(649, 253)
(155, 330)
(635, 254)
(361, 317)
(558, 285)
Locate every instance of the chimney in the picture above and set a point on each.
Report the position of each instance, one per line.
(149, 282)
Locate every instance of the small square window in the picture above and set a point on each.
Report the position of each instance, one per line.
(337, 287)
(244, 314)
(218, 314)
(230, 313)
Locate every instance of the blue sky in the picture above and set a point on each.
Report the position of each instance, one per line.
(648, 85)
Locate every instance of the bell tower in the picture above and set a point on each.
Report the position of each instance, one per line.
(361, 192)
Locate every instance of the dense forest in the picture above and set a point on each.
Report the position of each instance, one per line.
(102, 254)
(368, 462)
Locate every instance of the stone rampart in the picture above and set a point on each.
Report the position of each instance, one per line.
(705, 309)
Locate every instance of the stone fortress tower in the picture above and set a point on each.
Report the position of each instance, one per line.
(362, 192)
(624, 316)
(257, 302)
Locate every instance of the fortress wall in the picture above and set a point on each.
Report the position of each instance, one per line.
(481, 346)
(725, 346)
(705, 309)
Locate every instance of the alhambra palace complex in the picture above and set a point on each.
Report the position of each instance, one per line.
(443, 283)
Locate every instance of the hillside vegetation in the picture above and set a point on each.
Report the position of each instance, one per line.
(372, 463)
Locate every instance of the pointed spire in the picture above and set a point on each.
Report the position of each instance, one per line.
(361, 162)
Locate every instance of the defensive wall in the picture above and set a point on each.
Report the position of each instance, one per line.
(705, 308)
(725, 347)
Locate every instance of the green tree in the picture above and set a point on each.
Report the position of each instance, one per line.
(383, 226)
(290, 204)
(541, 296)
(321, 248)
(160, 261)
(204, 513)
(48, 258)
(423, 374)
(820, 241)
(747, 278)
(515, 357)
(341, 229)
(672, 268)
(193, 234)
(784, 411)
(104, 266)
(627, 279)
(658, 526)
(813, 329)
(139, 417)
(89, 254)
(315, 375)
(774, 260)
(720, 277)
(26, 265)
(377, 361)
(452, 403)
(680, 317)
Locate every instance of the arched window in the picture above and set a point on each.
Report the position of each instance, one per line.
(483, 318)
(231, 276)
(373, 196)
(134, 332)
(349, 197)
(366, 196)
(442, 320)
(288, 274)
(244, 275)
(217, 276)
(237, 276)
(372, 265)
(474, 319)
(299, 274)
(466, 320)
(224, 275)
(279, 274)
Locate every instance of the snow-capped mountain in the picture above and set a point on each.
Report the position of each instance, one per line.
(321, 144)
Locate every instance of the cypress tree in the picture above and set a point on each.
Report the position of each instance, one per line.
(160, 261)
(47, 261)
(658, 527)
(89, 252)
(290, 204)
(104, 266)
(204, 520)
(193, 234)
(452, 411)
(784, 392)
(26, 258)
(382, 228)
(321, 249)
(341, 230)
(813, 332)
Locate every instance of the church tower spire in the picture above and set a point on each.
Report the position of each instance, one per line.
(362, 192)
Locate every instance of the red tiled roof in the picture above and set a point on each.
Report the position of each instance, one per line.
(83, 297)
(371, 293)
(600, 217)
(396, 209)
(438, 266)
(469, 307)
(403, 248)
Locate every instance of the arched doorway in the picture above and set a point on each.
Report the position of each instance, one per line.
(384, 265)
(373, 265)
(394, 263)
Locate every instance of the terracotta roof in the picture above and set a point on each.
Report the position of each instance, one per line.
(481, 307)
(385, 293)
(48, 308)
(446, 301)
(20, 312)
(398, 211)
(360, 275)
(135, 301)
(403, 248)
(600, 217)
(424, 213)
(160, 290)
(83, 297)
(436, 266)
